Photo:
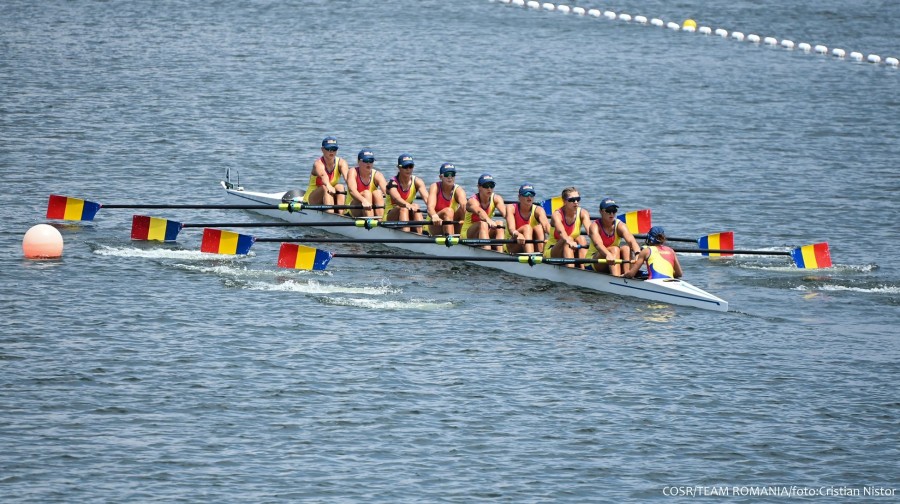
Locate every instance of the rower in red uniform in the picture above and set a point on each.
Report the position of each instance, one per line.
(401, 190)
(565, 239)
(446, 202)
(480, 208)
(366, 186)
(323, 188)
(610, 239)
(661, 260)
(526, 221)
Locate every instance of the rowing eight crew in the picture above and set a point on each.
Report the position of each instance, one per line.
(450, 212)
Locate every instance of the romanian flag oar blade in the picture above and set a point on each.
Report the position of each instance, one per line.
(66, 208)
(551, 205)
(812, 256)
(216, 241)
(295, 256)
(154, 228)
(638, 221)
(717, 241)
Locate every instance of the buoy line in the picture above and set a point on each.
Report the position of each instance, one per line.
(690, 26)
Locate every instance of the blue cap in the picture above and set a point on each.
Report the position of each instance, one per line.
(329, 142)
(656, 234)
(485, 177)
(405, 160)
(608, 203)
(527, 189)
(448, 167)
(366, 156)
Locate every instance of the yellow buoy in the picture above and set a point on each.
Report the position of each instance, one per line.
(42, 241)
(689, 23)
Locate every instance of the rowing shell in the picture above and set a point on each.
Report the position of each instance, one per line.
(676, 292)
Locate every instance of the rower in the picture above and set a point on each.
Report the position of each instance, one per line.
(401, 190)
(526, 221)
(565, 239)
(446, 202)
(477, 222)
(366, 186)
(323, 188)
(661, 260)
(610, 239)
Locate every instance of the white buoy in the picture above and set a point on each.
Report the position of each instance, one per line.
(520, 3)
(737, 35)
(657, 22)
(609, 15)
(625, 17)
(873, 58)
(722, 32)
(856, 56)
(672, 25)
(565, 9)
(594, 12)
(640, 19)
(704, 30)
(753, 38)
(42, 241)
(892, 61)
(534, 4)
(787, 44)
(548, 6)
(770, 41)
(803, 46)
(837, 52)
(820, 49)
(578, 10)
(689, 29)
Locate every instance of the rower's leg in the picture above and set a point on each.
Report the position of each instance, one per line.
(378, 201)
(316, 196)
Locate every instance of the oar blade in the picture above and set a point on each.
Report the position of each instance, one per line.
(294, 256)
(217, 241)
(66, 208)
(717, 241)
(147, 228)
(551, 205)
(812, 256)
(638, 221)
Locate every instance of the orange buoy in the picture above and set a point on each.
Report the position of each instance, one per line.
(42, 241)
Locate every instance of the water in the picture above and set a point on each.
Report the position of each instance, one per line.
(149, 372)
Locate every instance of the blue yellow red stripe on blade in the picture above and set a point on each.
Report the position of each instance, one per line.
(147, 228)
(216, 241)
(295, 256)
(723, 240)
(66, 208)
(812, 256)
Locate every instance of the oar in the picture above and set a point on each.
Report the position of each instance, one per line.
(235, 243)
(155, 228)
(724, 240)
(806, 257)
(309, 258)
(66, 208)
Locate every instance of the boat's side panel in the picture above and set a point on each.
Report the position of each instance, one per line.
(671, 291)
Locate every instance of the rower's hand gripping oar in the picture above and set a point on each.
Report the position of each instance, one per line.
(66, 208)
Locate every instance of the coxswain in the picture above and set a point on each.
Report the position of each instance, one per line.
(610, 239)
(366, 186)
(401, 190)
(566, 240)
(525, 222)
(324, 187)
(480, 207)
(661, 260)
(446, 202)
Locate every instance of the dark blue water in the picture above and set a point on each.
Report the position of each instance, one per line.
(151, 372)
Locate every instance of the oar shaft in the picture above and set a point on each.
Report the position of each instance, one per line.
(730, 251)
(208, 207)
(361, 222)
(534, 259)
(685, 240)
(463, 241)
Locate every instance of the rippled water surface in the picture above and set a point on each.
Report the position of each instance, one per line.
(152, 372)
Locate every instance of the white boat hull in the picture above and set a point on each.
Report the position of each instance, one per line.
(676, 292)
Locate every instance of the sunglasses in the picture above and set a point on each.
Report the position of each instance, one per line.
(488, 185)
(611, 210)
(450, 174)
(576, 199)
(407, 167)
(528, 194)
(331, 149)
(367, 160)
